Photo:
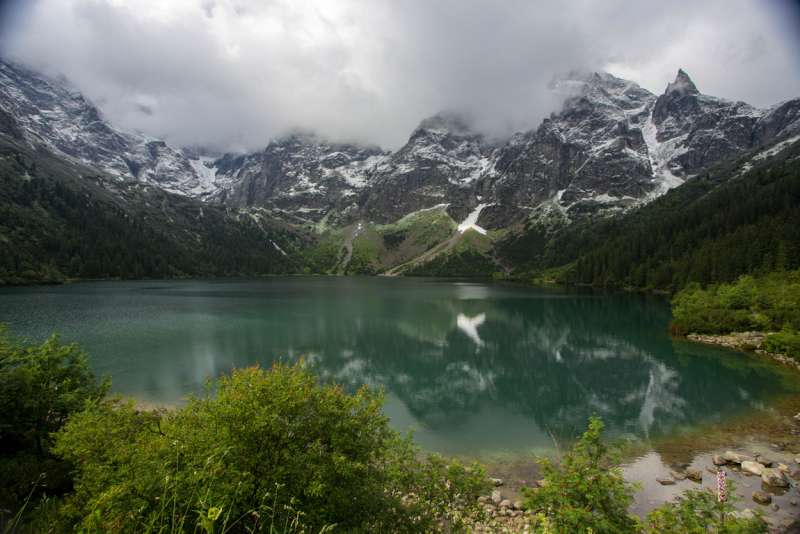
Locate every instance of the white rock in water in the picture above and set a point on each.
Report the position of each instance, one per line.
(752, 468)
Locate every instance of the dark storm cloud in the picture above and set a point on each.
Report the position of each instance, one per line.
(234, 73)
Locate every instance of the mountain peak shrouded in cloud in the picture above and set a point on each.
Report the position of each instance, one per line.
(231, 75)
(447, 121)
(682, 85)
(613, 146)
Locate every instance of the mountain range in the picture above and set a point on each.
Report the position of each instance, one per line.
(613, 146)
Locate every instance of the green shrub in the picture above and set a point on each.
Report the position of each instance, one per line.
(698, 512)
(261, 449)
(786, 341)
(740, 295)
(714, 321)
(584, 491)
(40, 388)
(766, 303)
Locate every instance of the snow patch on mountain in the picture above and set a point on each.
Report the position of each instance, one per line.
(660, 155)
(471, 220)
(776, 149)
(207, 175)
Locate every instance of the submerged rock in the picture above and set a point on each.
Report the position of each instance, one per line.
(677, 475)
(666, 481)
(748, 514)
(762, 497)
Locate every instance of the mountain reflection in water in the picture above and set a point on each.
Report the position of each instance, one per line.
(473, 365)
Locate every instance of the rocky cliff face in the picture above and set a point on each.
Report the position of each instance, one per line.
(704, 130)
(55, 113)
(612, 146)
(442, 163)
(615, 145)
(303, 177)
(592, 156)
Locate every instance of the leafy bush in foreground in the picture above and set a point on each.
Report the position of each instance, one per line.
(583, 491)
(40, 387)
(698, 512)
(262, 449)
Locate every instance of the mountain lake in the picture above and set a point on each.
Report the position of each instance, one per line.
(482, 370)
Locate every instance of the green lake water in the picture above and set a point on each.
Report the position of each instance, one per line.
(479, 368)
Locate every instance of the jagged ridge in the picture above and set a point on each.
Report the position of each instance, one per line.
(613, 146)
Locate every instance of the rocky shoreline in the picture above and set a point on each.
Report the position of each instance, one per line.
(743, 341)
(767, 474)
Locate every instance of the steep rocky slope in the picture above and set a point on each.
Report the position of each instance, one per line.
(615, 145)
(612, 146)
(302, 178)
(58, 115)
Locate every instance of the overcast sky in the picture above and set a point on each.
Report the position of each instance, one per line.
(232, 74)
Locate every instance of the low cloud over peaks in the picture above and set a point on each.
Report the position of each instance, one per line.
(232, 74)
